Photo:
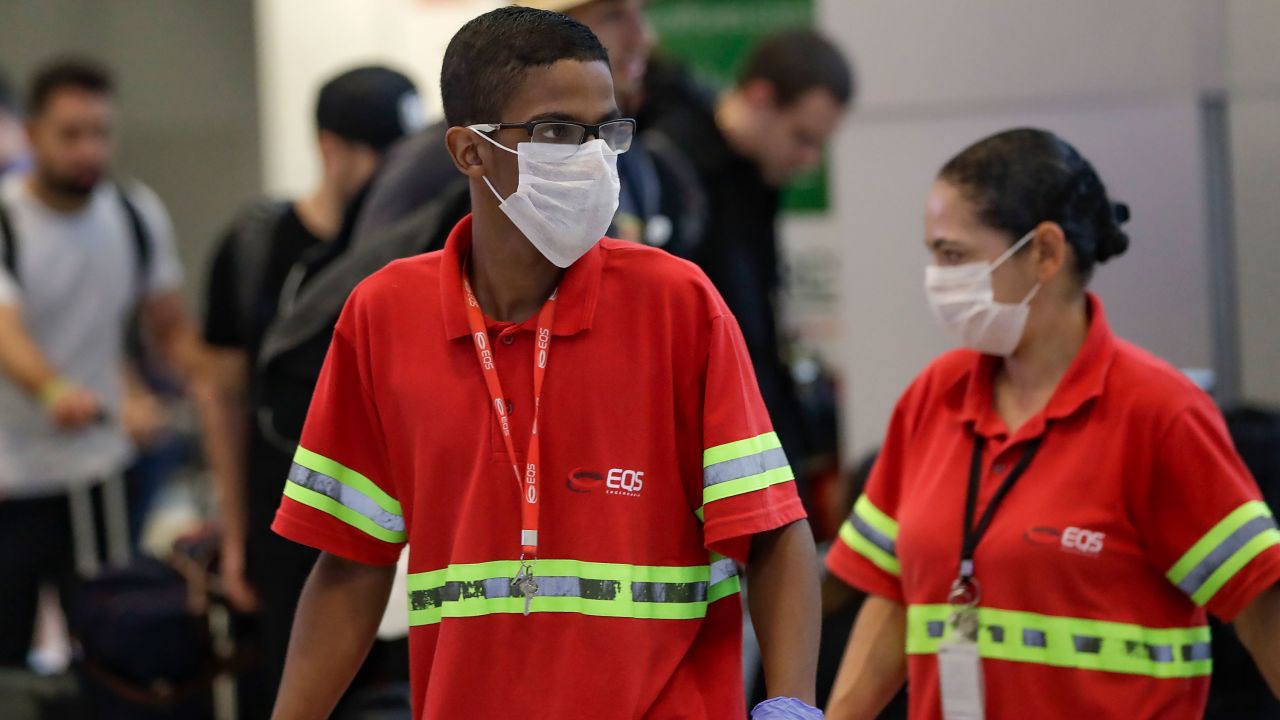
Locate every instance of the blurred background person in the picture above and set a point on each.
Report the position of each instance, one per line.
(13, 145)
(1055, 511)
(81, 252)
(358, 115)
(791, 96)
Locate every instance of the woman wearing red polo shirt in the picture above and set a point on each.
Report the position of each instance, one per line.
(1054, 509)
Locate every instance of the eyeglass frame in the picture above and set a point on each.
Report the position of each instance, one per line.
(589, 130)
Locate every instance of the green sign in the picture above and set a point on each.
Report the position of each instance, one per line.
(714, 36)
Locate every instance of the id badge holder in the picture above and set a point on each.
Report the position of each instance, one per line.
(959, 662)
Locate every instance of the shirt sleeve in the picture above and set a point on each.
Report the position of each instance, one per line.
(747, 483)
(1202, 519)
(221, 309)
(165, 273)
(865, 554)
(339, 496)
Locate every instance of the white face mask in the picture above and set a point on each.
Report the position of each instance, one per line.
(964, 303)
(563, 203)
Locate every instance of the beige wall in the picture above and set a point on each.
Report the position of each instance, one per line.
(1253, 72)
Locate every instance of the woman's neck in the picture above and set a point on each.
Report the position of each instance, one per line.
(511, 279)
(1027, 380)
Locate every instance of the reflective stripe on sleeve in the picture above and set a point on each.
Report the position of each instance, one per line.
(345, 494)
(743, 466)
(1224, 551)
(872, 534)
(571, 586)
(1069, 642)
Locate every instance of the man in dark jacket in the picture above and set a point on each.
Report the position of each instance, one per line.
(773, 125)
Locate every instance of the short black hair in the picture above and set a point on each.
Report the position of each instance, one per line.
(487, 59)
(1020, 178)
(797, 61)
(68, 72)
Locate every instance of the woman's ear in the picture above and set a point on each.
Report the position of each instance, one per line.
(1049, 250)
(464, 148)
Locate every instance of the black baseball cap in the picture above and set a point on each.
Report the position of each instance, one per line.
(373, 105)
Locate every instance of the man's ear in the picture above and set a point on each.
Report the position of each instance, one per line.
(464, 148)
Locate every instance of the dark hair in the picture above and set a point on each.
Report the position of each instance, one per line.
(486, 61)
(1020, 178)
(69, 72)
(797, 61)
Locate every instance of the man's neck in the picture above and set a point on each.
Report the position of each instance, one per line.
(54, 200)
(511, 279)
(321, 211)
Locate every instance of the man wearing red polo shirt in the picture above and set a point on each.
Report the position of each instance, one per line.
(565, 429)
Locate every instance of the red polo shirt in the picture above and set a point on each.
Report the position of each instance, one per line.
(1134, 519)
(651, 421)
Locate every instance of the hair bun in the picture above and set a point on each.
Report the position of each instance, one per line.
(1120, 213)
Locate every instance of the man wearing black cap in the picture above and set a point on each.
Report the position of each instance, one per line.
(358, 115)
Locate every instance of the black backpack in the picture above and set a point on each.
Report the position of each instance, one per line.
(295, 346)
(141, 237)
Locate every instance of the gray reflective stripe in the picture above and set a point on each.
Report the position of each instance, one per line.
(1160, 653)
(1198, 651)
(1034, 638)
(744, 467)
(1087, 644)
(874, 536)
(1215, 559)
(560, 586)
(997, 633)
(658, 592)
(346, 496)
(722, 570)
(504, 587)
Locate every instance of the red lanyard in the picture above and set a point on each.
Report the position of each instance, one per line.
(526, 481)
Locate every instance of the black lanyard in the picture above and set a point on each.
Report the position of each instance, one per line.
(973, 534)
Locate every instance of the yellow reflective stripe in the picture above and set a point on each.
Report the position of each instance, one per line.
(740, 448)
(875, 517)
(332, 507)
(850, 536)
(748, 484)
(1247, 552)
(345, 475)
(588, 588)
(1214, 537)
(1068, 642)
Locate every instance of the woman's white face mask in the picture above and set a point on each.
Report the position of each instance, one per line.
(963, 301)
(564, 204)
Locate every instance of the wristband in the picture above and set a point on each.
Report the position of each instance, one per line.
(785, 708)
(51, 391)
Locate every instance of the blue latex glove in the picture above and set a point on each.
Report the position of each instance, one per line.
(785, 708)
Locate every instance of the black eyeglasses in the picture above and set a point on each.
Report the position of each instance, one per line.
(616, 134)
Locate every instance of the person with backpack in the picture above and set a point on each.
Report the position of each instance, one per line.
(82, 257)
(358, 115)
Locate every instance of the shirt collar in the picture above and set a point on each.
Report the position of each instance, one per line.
(1084, 380)
(575, 303)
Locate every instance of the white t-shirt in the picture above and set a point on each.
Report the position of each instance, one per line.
(77, 288)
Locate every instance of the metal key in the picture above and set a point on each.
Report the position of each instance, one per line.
(526, 585)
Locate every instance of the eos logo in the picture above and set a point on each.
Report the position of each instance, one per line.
(624, 482)
(530, 483)
(1074, 540)
(486, 355)
(1083, 541)
(544, 342)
